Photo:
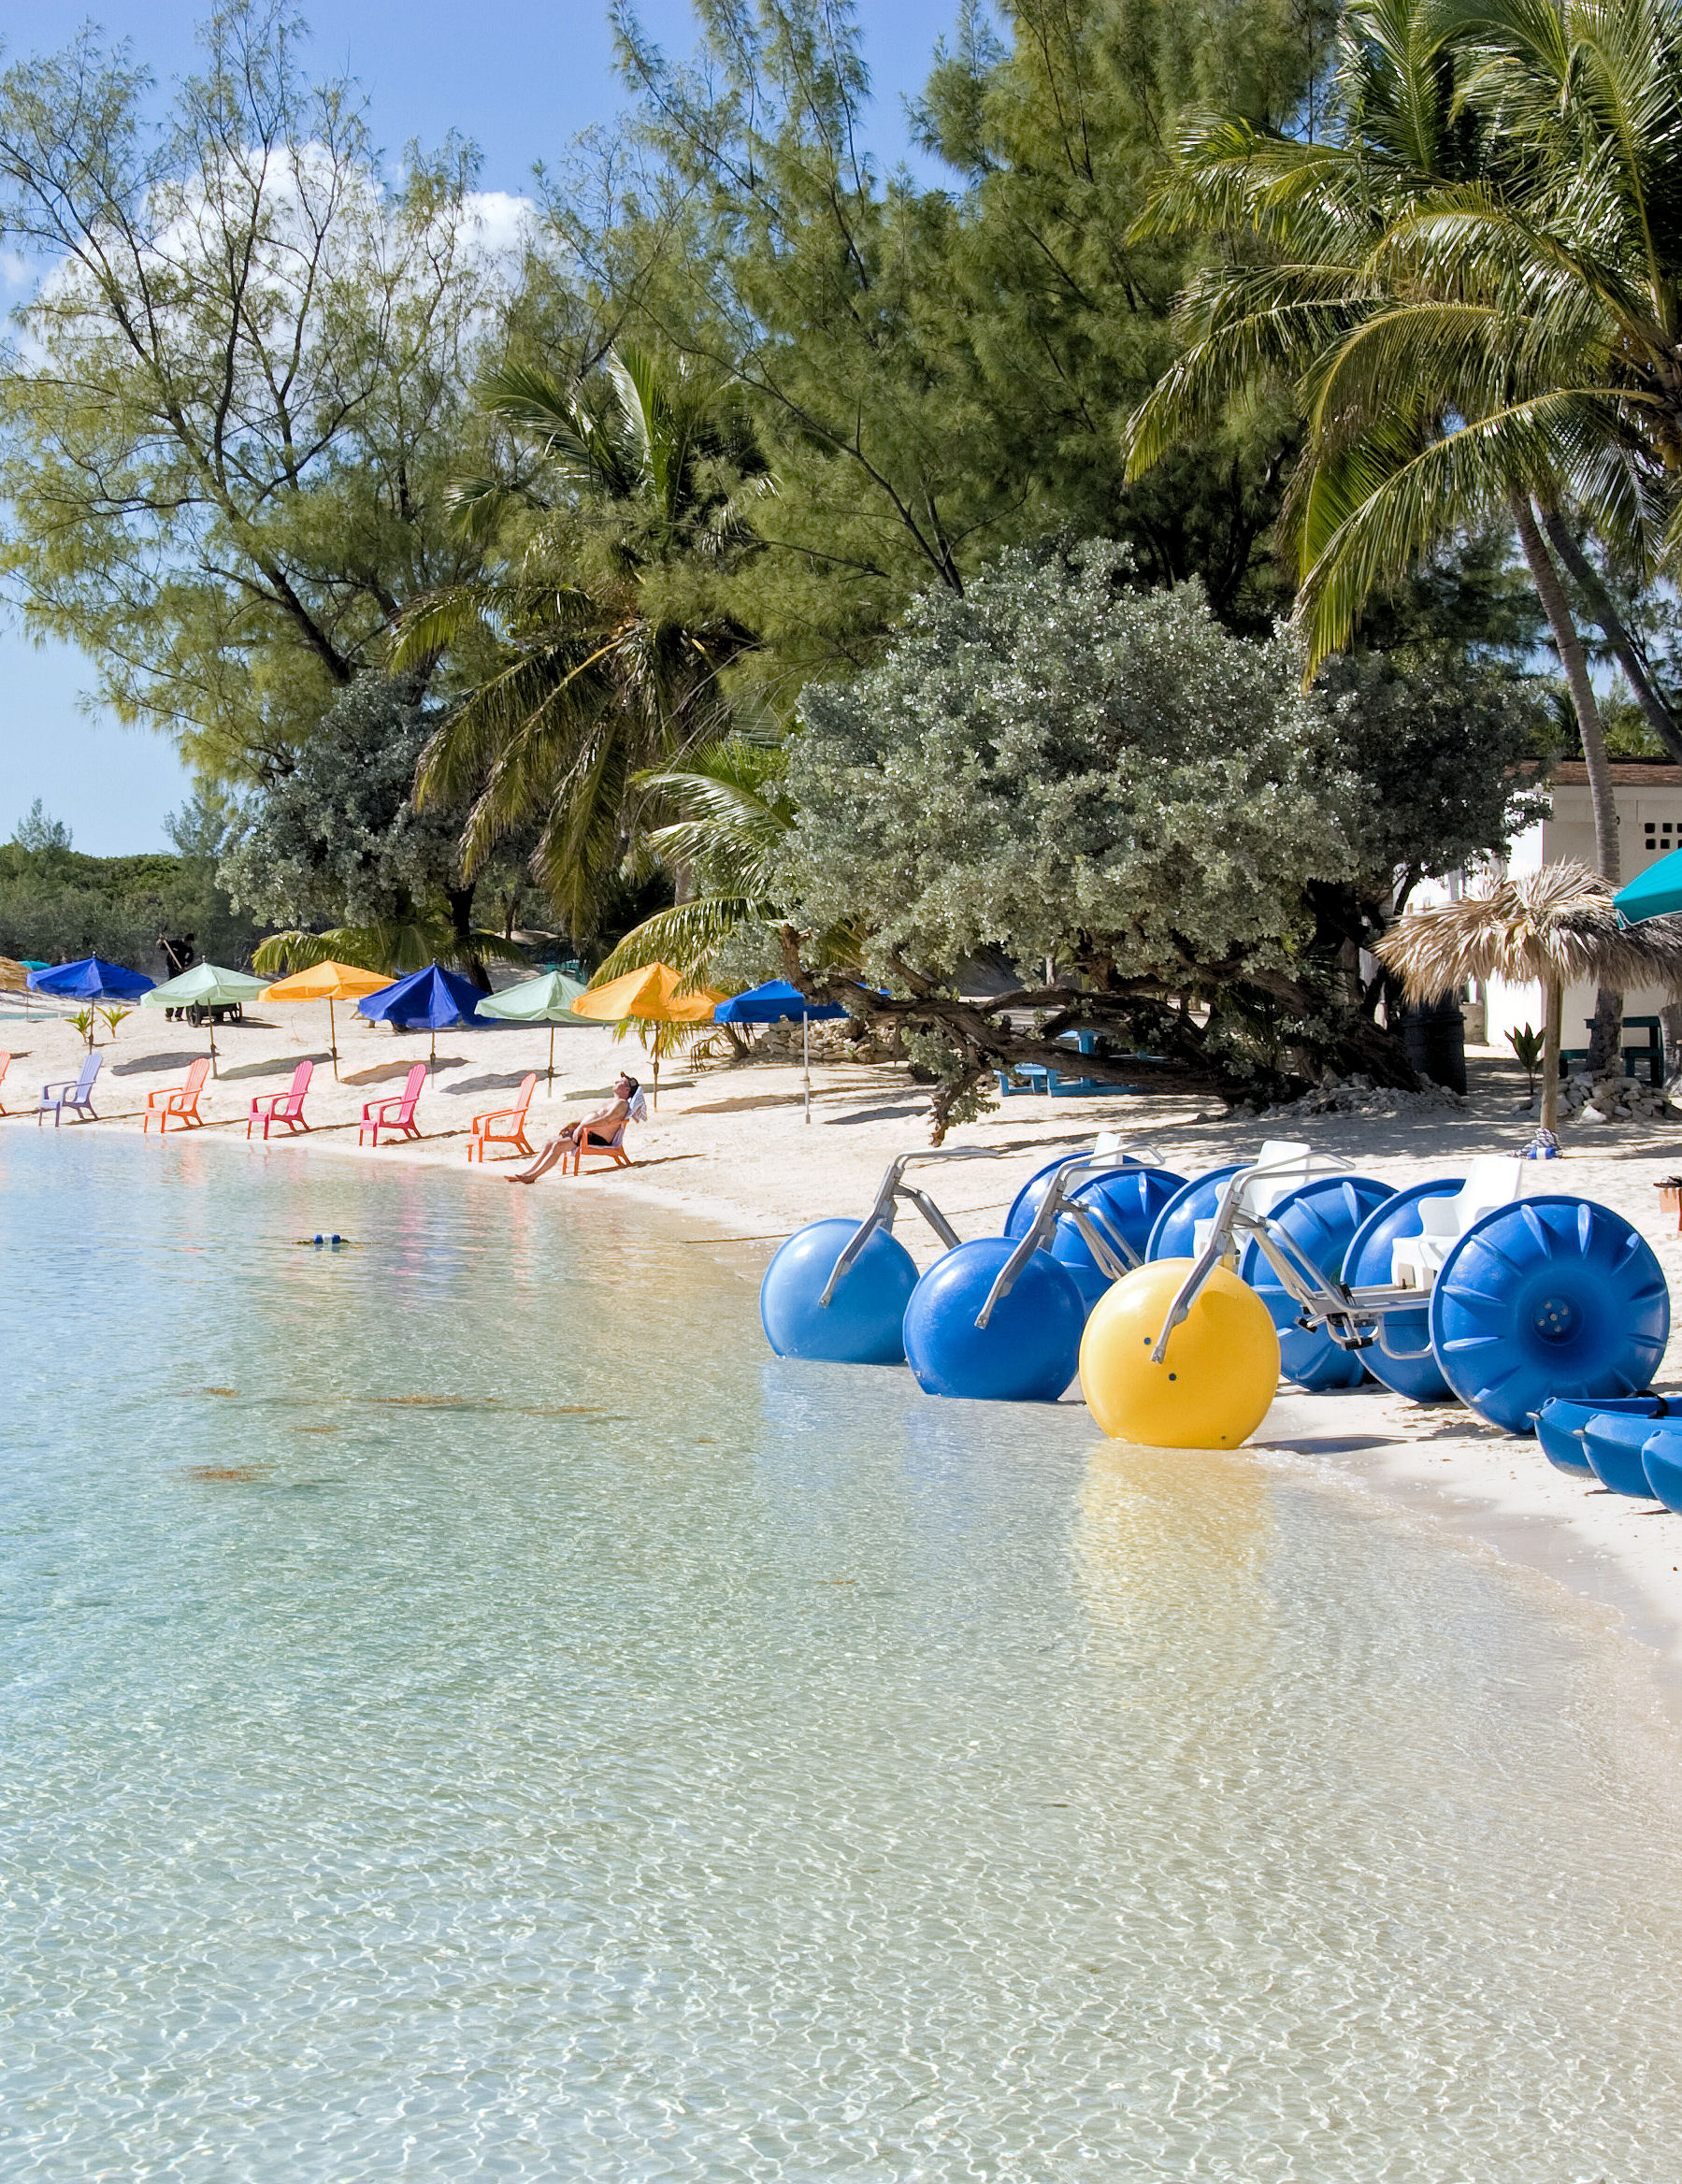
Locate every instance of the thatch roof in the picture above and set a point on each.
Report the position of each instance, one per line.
(13, 977)
(1557, 925)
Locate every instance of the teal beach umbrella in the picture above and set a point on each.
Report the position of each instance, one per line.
(1657, 892)
(547, 999)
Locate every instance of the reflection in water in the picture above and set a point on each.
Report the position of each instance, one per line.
(693, 1765)
(1196, 1525)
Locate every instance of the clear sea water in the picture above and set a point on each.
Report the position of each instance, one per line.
(466, 1711)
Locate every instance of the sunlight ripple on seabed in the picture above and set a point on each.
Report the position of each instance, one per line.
(467, 1712)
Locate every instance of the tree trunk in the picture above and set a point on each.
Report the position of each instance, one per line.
(1600, 605)
(1605, 1040)
(1553, 1004)
(461, 918)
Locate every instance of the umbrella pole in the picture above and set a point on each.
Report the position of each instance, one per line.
(806, 1059)
(549, 1092)
(333, 1037)
(212, 1021)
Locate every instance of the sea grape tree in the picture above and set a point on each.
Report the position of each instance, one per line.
(1118, 801)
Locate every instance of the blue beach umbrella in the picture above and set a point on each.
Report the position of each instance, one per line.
(427, 1000)
(91, 979)
(1656, 893)
(778, 1002)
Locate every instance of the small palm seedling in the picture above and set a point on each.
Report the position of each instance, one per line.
(82, 1021)
(1527, 1044)
(114, 1017)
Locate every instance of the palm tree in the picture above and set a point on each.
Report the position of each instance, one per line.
(1474, 294)
(1556, 926)
(733, 817)
(597, 651)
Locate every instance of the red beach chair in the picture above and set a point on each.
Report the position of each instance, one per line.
(395, 1115)
(180, 1101)
(4, 1065)
(481, 1134)
(287, 1107)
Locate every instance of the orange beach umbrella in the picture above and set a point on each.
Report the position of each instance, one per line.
(646, 997)
(329, 981)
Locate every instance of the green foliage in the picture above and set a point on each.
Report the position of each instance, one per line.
(39, 835)
(1528, 1044)
(337, 838)
(57, 905)
(594, 649)
(1056, 767)
(1445, 752)
(226, 432)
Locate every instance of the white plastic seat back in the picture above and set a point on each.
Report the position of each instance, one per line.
(1293, 1164)
(1495, 1180)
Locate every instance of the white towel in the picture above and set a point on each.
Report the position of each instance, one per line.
(636, 1109)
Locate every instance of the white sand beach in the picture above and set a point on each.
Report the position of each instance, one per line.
(728, 1147)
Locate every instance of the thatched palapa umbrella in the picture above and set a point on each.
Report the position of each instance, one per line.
(1556, 926)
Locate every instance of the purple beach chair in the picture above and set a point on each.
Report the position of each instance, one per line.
(76, 1094)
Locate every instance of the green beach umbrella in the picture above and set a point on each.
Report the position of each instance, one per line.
(547, 999)
(206, 986)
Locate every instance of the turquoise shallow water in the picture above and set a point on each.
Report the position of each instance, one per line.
(760, 1772)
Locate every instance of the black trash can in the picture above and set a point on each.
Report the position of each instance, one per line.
(1435, 1039)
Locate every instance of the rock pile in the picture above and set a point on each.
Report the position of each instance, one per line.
(1612, 1100)
(1358, 1095)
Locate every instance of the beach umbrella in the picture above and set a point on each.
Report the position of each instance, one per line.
(1657, 892)
(328, 982)
(547, 999)
(91, 979)
(426, 1001)
(206, 986)
(1556, 926)
(649, 995)
(778, 1002)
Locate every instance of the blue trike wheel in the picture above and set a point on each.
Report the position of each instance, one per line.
(1408, 1364)
(1321, 1219)
(1550, 1296)
(862, 1322)
(1029, 1350)
(1174, 1234)
(1125, 1203)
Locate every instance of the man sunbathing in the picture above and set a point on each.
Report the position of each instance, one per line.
(595, 1130)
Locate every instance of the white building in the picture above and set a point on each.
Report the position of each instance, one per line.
(1648, 795)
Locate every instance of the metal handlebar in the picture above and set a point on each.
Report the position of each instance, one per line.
(881, 1215)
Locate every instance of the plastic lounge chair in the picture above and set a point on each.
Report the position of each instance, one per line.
(481, 1134)
(76, 1093)
(180, 1101)
(613, 1151)
(395, 1115)
(287, 1107)
(1416, 1261)
(4, 1065)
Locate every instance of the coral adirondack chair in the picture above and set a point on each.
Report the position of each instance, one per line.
(4, 1065)
(481, 1134)
(613, 1151)
(76, 1093)
(288, 1106)
(180, 1101)
(395, 1115)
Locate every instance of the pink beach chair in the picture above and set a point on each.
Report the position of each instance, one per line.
(395, 1115)
(180, 1101)
(287, 1107)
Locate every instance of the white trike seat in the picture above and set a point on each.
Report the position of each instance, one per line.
(1416, 1261)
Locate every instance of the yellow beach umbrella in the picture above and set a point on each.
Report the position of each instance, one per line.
(647, 996)
(329, 981)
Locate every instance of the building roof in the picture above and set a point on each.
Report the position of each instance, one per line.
(1627, 773)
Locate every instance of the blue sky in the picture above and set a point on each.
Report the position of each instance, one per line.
(521, 78)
